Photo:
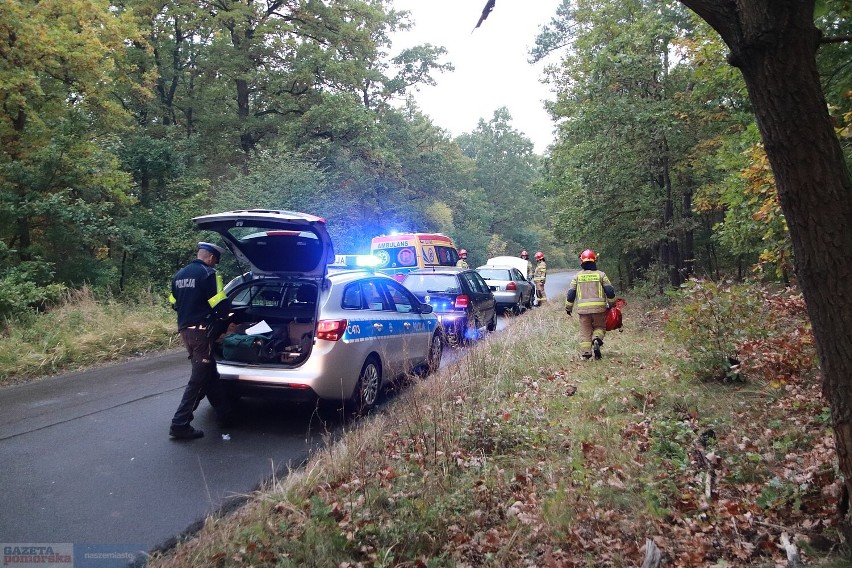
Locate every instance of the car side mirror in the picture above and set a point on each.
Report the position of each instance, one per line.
(426, 308)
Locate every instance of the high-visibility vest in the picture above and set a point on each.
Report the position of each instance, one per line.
(590, 293)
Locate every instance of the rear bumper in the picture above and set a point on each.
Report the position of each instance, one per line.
(288, 392)
(505, 299)
(329, 373)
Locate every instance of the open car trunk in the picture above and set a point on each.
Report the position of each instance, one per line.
(271, 321)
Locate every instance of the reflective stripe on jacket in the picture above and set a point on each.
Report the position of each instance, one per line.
(220, 292)
(588, 292)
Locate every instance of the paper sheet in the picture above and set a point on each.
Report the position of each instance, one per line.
(259, 328)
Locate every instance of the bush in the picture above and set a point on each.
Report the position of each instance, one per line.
(26, 288)
(734, 331)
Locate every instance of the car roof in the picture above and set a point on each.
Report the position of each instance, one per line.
(513, 261)
(336, 273)
(441, 270)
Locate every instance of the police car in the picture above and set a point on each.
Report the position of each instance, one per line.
(305, 324)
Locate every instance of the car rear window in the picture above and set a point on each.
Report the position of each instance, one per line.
(280, 251)
(494, 273)
(431, 283)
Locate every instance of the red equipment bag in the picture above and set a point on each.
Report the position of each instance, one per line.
(613, 315)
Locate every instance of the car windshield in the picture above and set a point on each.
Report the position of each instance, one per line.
(494, 273)
(432, 283)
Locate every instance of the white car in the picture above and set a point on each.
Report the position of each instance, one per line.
(511, 289)
(307, 331)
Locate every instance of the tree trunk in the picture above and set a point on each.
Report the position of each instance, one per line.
(774, 43)
(688, 238)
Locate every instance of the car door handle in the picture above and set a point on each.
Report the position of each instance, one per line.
(378, 327)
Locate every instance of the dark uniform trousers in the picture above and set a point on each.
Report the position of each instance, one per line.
(203, 381)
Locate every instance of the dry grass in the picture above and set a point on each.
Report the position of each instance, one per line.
(81, 332)
(522, 455)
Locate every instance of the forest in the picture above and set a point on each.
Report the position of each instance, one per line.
(122, 121)
(695, 141)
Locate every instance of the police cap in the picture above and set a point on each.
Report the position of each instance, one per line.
(216, 250)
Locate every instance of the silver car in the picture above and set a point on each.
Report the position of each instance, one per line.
(310, 331)
(511, 289)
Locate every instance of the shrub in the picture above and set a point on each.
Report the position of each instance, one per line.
(733, 331)
(26, 288)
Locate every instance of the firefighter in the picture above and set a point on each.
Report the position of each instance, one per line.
(526, 256)
(197, 292)
(591, 292)
(539, 276)
(462, 262)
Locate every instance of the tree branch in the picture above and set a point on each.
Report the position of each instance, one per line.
(836, 39)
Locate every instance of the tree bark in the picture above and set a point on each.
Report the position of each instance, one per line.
(774, 43)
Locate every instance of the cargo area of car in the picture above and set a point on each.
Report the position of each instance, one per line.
(270, 322)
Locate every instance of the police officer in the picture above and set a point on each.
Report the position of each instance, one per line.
(540, 276)
(526, 256)
(462, 262)
(196, 293)
(591, 292)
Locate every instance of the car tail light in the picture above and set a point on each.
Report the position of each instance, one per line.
(462, 302)
(511, 286)
(331, 330)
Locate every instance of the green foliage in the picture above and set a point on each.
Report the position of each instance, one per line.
(710, 320)
(503, 203)
(741, 331)
(671, 441)
(83, 328)
(27, 286)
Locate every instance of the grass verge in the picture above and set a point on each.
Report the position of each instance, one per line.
(84, 331)
(521, 454)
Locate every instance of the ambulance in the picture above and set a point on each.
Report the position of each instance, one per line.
(399, 254)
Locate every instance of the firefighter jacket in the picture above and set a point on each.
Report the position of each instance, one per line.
(196, 291)
(529, 270)
(540, 273)
(462, 263)
(589, 290)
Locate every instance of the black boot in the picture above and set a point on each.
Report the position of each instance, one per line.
(188, 433)
(596, 347)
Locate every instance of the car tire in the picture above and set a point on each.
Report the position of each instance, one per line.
(366, 392)
(469, 331)
(517, 308)
(436, 351)
(492, 325)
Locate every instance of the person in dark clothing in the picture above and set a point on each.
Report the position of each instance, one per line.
(196, 293)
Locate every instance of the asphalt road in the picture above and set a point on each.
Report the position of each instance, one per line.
(87, 459)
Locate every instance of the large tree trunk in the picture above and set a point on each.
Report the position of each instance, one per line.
(774, 43)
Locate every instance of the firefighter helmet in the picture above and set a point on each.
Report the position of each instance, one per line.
(539, 255)
(525, 254)
(462, 253)
(588, 255)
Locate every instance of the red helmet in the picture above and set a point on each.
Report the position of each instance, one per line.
(588, 255)
(462, 253)
(525, 254)
(539, 255)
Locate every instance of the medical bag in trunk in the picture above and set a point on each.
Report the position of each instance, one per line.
(248, 348)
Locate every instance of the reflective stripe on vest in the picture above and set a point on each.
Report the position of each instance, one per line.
(598, 301)
(220, 292)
